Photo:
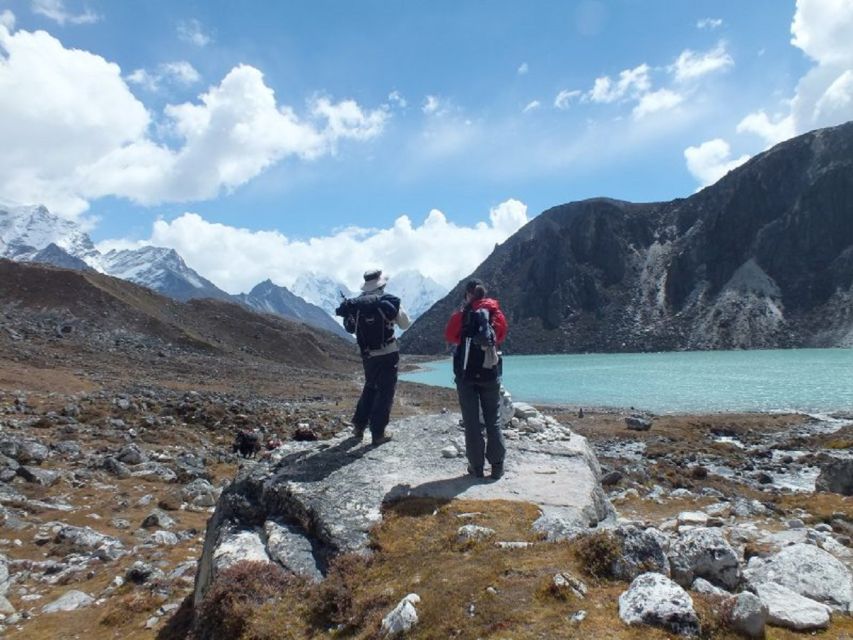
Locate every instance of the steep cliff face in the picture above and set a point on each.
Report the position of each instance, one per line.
(763, 258)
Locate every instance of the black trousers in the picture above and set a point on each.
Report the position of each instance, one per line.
(377, 397)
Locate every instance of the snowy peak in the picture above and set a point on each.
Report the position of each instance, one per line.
(416, 291)
(321, 290)
(160, 269)
(28, 229)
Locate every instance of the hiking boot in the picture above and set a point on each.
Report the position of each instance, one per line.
(381, 439)
(477, 472)
(357, 432)
(497, 471)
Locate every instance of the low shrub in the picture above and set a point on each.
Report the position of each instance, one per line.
(597, 553)
(233, 597)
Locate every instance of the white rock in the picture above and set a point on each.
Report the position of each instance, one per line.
(402, 617)
(524, 411)
(748, 614)
(163, 538)
(808, 571)
(6, 607)
(656, 600)
(473, 532)
(791, 610)
(450, 452)
(700, 585)
(69, 601)
(692, 518)
(704, 553)
(243, 545)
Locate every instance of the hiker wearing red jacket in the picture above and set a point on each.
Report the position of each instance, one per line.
(477, 330)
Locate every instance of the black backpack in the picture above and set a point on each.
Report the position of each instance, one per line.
(478, 331)
(370, 317)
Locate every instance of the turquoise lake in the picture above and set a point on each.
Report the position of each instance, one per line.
(812, 380)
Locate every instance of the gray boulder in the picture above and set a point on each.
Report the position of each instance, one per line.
(291, 548)
(401, 618)
(642, 550)
(69, 601)
(747, 614)
(638, 423)
(704, 553)
(655, 600)
(158, 519)
(808, 571)
(791, 610)
(836, 476)
(333, 491)
(199, 493)
(116, 468)
(24, 451)
(154, 471)
(41, 477)
(86, 539)
(131, 454)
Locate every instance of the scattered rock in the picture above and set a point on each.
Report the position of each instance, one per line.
(790, 610)
(655, 600)
(704, 553)
(747, 614)
(641, 551)
(69, 601)
(836, 475)
(41, 477)
(638, 423)
(474, 533)
(402, 618)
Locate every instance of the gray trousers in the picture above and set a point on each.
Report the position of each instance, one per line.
(472, 396)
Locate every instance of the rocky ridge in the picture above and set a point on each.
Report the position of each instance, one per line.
(761, 259)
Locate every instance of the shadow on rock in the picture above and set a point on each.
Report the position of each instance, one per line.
(445, 489)
(313, 465)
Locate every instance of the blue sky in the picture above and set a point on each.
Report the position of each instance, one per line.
(400, 108)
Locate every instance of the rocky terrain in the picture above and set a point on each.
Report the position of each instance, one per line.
(760, 259)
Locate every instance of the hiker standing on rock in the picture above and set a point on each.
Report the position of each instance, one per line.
(477, 330)
(372, 317)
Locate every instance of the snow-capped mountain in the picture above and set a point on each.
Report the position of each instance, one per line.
(323, 291)
(32, 233)
(416, 291)
(271, 298)
(160, 269)
(24, 231)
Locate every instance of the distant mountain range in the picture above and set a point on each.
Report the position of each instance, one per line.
(33, 234)
(761, 259)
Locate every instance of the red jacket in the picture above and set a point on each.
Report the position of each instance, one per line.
(452, 333)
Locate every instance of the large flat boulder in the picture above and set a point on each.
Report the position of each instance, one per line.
(332, 492)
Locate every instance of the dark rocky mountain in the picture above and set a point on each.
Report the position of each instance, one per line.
(267, 297)
(59, 257)
(761, 259)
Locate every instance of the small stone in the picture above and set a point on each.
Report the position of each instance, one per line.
(795, 523)
(638, 423)
(69, 601)
(450, 452)
(402, 617)
(747, 614)
(474, 533)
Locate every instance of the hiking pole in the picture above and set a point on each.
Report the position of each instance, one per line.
(467, 351)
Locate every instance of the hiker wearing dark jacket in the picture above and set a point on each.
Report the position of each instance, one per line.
(372, 317)
(477, 330)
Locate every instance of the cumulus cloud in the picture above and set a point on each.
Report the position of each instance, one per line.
(435, 106)
(396, 98)
(531, 106)
(711, 160)
(437, 247)
(565, 97)
(772, 130)
(691, 65)
(631, 83)
(709, 23)
(523, 69)
(192, 32)
(180, 73)
(7, 19)
(98, 138)
(823, 30)
(654, 101)
(55, 10)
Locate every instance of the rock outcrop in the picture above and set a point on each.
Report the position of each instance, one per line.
(329, 494)
(763, 258)
(655, 600)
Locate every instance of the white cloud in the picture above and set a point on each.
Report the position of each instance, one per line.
(523, 69)
(711, 160)
(180, 73)
(709, 23)
(192, 32)
(631, 83)
(7, 19)
(823, 30)
(91, 138)
(438, 248)
(660, 100)
(531, 106)
(55, 10)
(397, 99)
(433, 105)
(565, 97)
(691, 65)
(772, 131)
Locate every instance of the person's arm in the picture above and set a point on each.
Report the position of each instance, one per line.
(402, 319)
(453, 330)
